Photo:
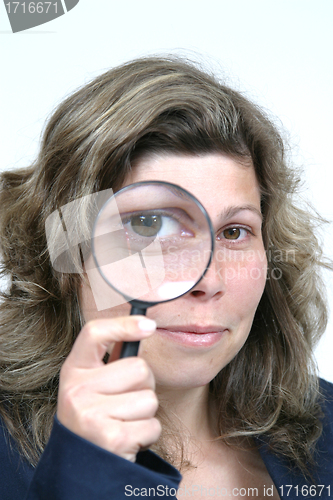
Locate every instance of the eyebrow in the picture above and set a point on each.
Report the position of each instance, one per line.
(229, 212)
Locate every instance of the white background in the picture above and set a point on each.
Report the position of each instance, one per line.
(279, 52)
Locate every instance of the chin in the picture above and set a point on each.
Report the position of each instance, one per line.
(183, 380)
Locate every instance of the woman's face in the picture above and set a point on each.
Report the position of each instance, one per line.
(201, 332)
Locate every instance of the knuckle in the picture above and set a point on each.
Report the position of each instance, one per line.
(155, 428)
(152, 402)
(71, 395)
(65, 396)
(89, 330)
(142, 370)
(89, 419)
(118, 438)
(123, 323)
(128, 322)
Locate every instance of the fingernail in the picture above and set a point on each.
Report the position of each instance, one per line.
(147, 325)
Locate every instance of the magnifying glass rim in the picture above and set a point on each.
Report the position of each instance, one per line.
(143, 303)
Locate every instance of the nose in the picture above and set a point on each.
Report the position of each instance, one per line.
(211, 286)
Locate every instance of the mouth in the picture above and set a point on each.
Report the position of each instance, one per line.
(193, 335)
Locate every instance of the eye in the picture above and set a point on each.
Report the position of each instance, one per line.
(146, 225)
(150, 225)
(233, 234)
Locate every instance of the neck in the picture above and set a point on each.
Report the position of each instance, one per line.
(188, 409)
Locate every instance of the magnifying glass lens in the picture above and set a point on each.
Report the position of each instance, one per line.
(152, 242)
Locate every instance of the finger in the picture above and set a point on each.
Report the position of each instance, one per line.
(138, 405)
(146, 431)
(124, 375)
(96, 336)
(132, 406)
(128, 438)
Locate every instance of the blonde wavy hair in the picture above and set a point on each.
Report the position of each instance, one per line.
(154, 105)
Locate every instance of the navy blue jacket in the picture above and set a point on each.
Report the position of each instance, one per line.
(71, 468)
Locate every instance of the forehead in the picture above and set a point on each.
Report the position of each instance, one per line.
(217, 180)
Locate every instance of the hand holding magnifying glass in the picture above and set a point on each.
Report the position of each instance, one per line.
(152, 242)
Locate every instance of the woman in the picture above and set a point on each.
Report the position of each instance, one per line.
(224, 387)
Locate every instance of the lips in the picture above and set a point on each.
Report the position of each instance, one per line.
(199, 330)
(193, 335)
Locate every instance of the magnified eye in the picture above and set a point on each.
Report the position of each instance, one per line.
(146, 225)
(150, 225)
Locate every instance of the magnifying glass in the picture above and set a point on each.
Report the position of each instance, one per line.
(152, 242)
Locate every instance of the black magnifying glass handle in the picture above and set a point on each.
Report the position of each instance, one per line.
(129, 349)
(132, 348)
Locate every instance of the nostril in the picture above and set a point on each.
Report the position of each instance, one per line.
(197, 293)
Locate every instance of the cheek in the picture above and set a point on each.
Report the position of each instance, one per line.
(245, 280)
(98, 305)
